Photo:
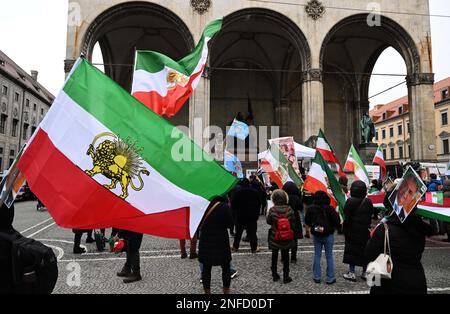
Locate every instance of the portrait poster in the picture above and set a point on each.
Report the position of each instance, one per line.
(287, 147)
(407, 194)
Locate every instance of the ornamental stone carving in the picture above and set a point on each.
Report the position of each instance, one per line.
(315, 9)
(200, 6)
(420, 78)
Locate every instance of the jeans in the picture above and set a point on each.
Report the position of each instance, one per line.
(226, 276)
(319, 243)
(251, 228)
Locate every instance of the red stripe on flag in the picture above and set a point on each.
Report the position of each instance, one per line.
(77, 201)
(172, 102)
(313, 185)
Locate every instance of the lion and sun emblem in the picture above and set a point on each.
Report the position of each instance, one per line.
(118, 161)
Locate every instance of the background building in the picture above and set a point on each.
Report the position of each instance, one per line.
(304, 65)
(23, 104)
(393, 127)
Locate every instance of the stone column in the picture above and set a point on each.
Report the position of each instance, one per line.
(422, 118)
(313, 114)
(282, 116)
(199, 110)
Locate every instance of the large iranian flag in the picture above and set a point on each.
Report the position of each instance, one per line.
(101, 159)
(324, 147)
(355, 165)
(321, 178)
(164, 85)
(280, 170)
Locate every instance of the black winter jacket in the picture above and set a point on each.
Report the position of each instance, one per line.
(214, 246)
(246, 204)
(358, 218)
(407, 242)
(320, 214)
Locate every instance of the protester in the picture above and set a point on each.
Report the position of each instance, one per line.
(343, 181)
(375, 187)
(296, 204)
(308, 201)
(256, 184)
(192, 249)
(77, 249)
(6, 267)
(446, 190)
(358, 213)
(407, 244)
(246, 204)
(214, 246)
(323, 219)
(131, 270)
(434, 185)
(281, 210)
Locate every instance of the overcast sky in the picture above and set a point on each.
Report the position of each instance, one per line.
(33, 34)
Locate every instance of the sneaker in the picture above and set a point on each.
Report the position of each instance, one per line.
(256, 251)
(317, 281)
(79, 250)
(234, 274)
(287, 280)
(234, 250)
(331, 282)
(183, 255)
(350, 276)
(364, 276)
(90, 240)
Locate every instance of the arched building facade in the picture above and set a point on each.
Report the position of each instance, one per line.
(302, 67)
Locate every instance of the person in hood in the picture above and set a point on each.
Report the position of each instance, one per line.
(358, 212)
(435, 185)
(407, 243)
(296, 203)
(6, 228)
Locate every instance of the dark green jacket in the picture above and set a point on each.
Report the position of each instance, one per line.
(272, 219)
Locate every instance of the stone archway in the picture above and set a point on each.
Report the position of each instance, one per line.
(350, 50)
(126, 27)
(259, 57)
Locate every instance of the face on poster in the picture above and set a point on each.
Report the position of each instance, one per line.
(407, 194)
(287, 147)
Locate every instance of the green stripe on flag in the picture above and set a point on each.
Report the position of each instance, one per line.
(125, 116)
(154, 62)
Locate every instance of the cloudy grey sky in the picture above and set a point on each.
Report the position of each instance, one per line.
(33, 34)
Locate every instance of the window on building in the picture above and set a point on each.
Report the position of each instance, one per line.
(25, 131)
(376, 135)
(384, 116)
(391, 132)
(400, 152)
(409, 130)
(409, 151)
(14, 127)
(16, 96)
(33, 130)
(392, 153)
(42, 111)
(1, 158)
(12, 153)
(445, 94)
(34, 107)
(444, 118)
(4, 90)
(27, 104)
(3, 120)
(383, 134)
(400, 130)
(445, 145)
(400, 110)
(384, 153)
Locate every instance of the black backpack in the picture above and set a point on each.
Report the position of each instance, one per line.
(34, 265)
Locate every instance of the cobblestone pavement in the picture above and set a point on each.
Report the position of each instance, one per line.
(164, 272)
